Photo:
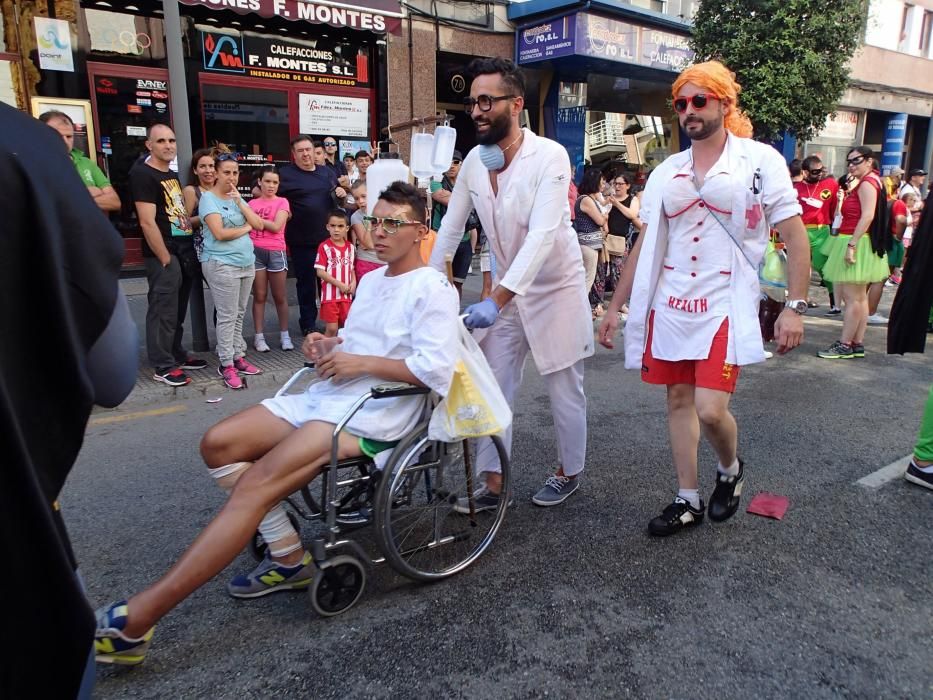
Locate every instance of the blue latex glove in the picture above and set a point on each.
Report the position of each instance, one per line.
(481, 315)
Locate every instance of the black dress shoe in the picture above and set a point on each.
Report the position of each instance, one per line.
(727, 494)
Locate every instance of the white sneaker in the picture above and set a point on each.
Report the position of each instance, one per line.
(287, 342)
(877, 320)
(768, 354)
(260, 344)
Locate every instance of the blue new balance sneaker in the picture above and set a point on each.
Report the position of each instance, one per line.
(111, 646)
(271, 577)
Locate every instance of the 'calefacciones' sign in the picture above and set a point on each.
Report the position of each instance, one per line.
(323, 62)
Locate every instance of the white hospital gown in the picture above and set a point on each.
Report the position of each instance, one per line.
(411, 317)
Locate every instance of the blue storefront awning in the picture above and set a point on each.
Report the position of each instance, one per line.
(585, 42)
(522, 11)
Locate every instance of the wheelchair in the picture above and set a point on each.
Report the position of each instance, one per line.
(409, 503)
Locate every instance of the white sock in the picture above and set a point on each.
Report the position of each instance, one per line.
(925, 470)
(691, 496)
(729, 471)
(283, 334)
(260, 336)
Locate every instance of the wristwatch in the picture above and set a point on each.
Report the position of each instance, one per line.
(797, 305)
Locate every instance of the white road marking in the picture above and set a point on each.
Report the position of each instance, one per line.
(893, 471)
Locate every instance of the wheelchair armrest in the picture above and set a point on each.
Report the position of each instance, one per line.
(391, 389)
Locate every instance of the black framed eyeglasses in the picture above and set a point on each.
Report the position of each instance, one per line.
(858, 160)
(699, 101)
(619, 183)
(485, 102)
(389, 224)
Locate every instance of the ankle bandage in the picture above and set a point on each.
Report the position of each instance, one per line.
(275, 528)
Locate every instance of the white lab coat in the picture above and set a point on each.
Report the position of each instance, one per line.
(750, 164)
(534, 244)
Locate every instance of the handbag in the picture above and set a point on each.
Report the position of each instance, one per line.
(615, 245)
(474, 405)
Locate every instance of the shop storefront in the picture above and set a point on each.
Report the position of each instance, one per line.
(608, 69)
(257, 72)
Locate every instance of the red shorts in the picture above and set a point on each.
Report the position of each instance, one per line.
(335, 311)
(712, 373)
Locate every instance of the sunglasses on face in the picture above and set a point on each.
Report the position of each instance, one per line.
(485, 102)
(818, 171)
(388, 224)
(330, 144)
(698, 101)
(455, 162)
(858, 160)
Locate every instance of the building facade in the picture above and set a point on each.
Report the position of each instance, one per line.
(889, 102)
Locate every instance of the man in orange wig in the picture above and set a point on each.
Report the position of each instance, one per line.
(693, 281)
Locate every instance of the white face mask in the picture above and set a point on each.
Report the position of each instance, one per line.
(492, 156)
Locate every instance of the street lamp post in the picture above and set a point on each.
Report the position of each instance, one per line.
(181, 121)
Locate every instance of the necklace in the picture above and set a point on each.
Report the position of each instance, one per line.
(506, 149)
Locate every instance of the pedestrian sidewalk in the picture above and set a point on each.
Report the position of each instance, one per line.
(277, 365)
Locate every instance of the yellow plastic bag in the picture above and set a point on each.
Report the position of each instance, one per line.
(474, 405)
(773, 269)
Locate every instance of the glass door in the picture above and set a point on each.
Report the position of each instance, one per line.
(252, 122)
(125, 101)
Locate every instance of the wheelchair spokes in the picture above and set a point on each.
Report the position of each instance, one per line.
(422, 534)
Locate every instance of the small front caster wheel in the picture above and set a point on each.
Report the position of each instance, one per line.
(337, 585)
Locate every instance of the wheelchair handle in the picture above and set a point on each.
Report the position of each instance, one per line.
(294, 378)
(392, 389)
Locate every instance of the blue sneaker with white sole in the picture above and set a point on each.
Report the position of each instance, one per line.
(272, 577)
(556, 490)
(111, 645)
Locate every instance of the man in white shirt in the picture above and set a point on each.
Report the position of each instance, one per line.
(517, 182)
(693, 281)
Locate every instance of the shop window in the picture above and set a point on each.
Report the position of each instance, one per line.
(125, 35)
(250, 121)
(7, 90)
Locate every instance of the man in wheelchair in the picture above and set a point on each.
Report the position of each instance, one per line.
(402, 327)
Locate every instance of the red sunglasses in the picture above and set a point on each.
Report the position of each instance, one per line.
(699, 102)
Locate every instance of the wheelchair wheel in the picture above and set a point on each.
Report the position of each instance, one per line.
(337, 585)
(418, 529)
(257, 545)
(355, 509)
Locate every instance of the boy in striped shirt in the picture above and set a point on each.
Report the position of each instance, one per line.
(334, 265)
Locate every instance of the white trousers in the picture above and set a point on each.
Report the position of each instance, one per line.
(506, 348)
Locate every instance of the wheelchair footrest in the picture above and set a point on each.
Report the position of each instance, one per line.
(392, 389)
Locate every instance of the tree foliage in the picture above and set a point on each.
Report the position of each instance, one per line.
(790, 56)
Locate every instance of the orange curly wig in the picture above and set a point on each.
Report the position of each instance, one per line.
(718, 80)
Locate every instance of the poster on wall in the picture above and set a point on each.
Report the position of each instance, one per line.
(333, 115)
(53, 39)
(80, 113)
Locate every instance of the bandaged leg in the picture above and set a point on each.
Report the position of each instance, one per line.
(276, 529)
(505, 348)
(568, 409)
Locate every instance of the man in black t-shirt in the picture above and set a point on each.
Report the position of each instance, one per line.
(310, 191)
(168, 253)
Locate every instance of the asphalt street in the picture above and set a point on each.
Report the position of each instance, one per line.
(574, 601)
